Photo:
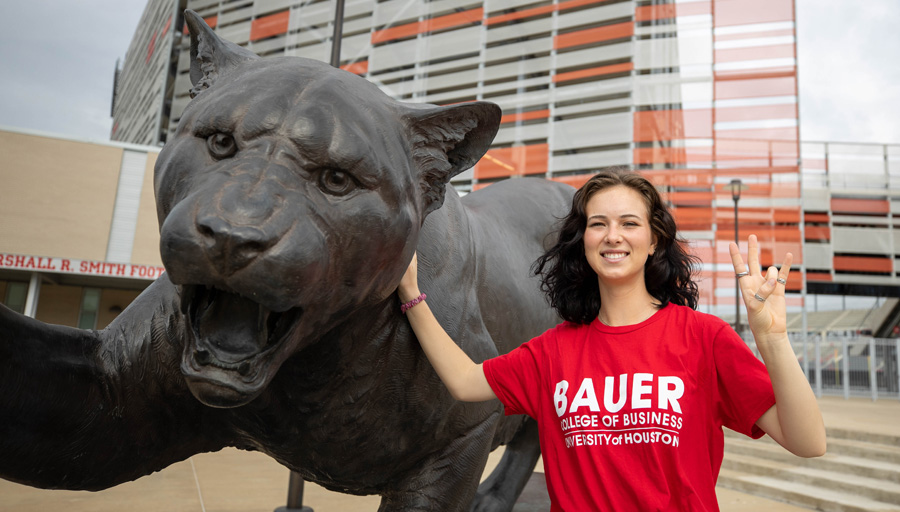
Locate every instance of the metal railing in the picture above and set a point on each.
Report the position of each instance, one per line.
(848, 365)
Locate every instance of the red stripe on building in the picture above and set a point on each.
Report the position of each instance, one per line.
(654, 12)
(360, 68)
(854, 206)
(817, 233)
(441, 22)
(594, 35)
(271, 25)
(780, 234)
(786, 215)
(863, 264)
(692, 178)
(814, 163)
(793, 284)
(525, 116)
(599, 71)
(665, 11)
(732, 114)
(703, 197)
(653, 125)
(691, 219)
(756, 87)
(747, 74)
(514, 161)
(212, 21)
(151, 46)
(767, 153)
(816, 217)
(746, 12)
(537, 11)
(673, 155)
(660, 155)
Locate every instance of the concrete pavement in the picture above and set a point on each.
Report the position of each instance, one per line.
(237, 481)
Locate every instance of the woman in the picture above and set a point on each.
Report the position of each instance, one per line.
(631, 392)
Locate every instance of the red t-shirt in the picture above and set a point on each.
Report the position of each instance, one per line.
(631, 417)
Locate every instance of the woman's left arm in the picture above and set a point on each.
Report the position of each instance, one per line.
(795, 421)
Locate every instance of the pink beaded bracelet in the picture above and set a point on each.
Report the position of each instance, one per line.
(404, 308)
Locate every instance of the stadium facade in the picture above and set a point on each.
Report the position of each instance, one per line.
(700, 96)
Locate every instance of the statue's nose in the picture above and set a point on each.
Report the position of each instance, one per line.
(231, 247)
(242, 221)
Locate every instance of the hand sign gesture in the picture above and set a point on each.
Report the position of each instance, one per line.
(763, 293)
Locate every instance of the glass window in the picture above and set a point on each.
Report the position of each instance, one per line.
(90, 305)
(15, 296)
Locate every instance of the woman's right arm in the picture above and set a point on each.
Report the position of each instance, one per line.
(464, 379)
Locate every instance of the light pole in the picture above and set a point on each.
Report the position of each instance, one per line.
(338, 34)
(736, 187)
(295, 481)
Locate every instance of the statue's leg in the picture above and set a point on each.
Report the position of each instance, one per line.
(449, 477)
(499, 492)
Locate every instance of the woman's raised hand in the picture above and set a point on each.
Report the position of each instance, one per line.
(795, 421)
(763, 292)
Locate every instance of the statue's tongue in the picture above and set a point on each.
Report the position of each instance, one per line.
(234, 328)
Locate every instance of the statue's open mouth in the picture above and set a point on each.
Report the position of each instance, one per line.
(234, 341)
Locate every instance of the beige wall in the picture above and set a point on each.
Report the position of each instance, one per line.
(57, 196)
(146, 236)
(56, 199)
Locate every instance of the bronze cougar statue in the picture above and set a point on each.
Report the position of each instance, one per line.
(291, 200)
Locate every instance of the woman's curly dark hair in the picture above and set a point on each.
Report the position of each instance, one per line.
(571, 284)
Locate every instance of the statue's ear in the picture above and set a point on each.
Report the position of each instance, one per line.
(446, 141)
(211, 55)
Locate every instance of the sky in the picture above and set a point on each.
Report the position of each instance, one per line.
(849, 70)
(57, 59)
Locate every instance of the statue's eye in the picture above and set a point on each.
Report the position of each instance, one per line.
(336, 182)
(221, 145)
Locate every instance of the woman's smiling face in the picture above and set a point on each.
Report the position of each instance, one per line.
(618, 238)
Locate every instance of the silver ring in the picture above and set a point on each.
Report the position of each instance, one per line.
(782, 280)
(741, 274)
(757, 297)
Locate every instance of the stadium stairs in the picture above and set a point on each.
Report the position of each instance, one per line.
(859, 473)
